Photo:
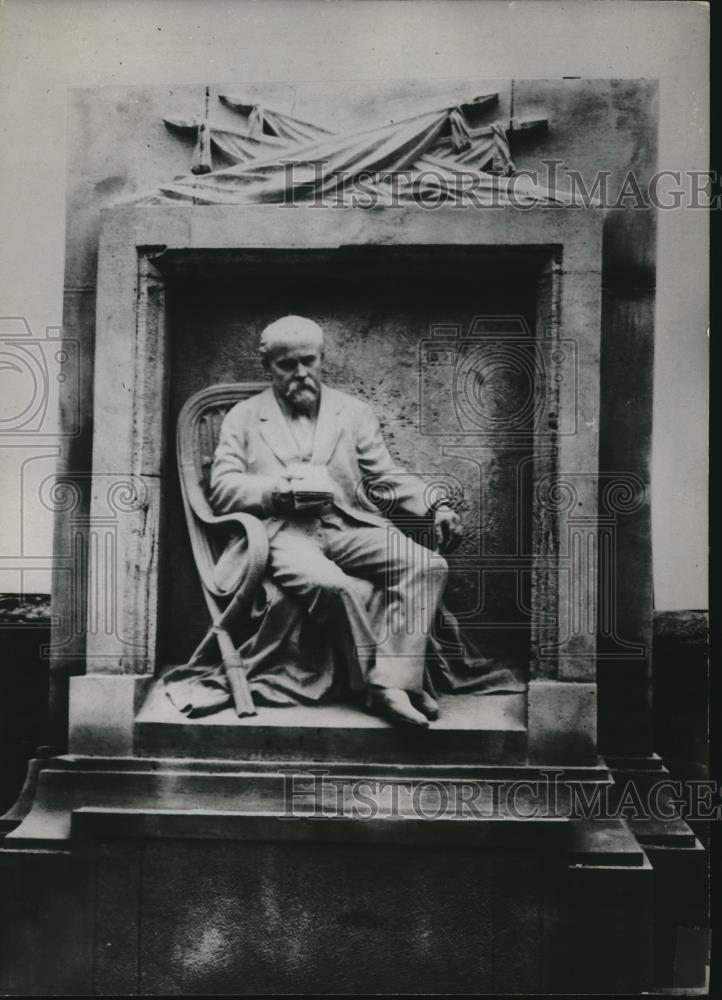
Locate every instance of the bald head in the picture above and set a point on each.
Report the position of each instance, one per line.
(290, 331)
(292, 351)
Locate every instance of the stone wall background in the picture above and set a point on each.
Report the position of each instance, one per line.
(376, 318)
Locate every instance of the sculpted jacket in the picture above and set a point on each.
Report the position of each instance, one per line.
(256, 445)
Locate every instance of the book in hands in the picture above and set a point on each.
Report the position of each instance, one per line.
(311, 486)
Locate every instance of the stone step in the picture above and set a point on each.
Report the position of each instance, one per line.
(310, 791)
(501, 832)
(472, 729)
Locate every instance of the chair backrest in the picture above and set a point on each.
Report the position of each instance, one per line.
(199, 426)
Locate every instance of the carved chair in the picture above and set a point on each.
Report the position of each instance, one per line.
(198, 430)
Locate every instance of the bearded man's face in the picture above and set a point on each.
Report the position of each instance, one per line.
(296, 375)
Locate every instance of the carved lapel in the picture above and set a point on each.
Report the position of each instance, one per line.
(274, 429)
(328, 426)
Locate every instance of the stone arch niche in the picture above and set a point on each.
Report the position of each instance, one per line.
(148, 253)
(404, 331)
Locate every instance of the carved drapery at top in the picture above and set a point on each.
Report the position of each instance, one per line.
(452, 155)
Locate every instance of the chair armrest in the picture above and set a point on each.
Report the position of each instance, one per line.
(255, 558)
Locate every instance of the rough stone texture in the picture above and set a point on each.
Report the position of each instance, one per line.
(562, 722)
(102, 712)
(118, 871)
(679, 861)
(583, 111)
(24, 609)
(577, 473)
(607, 937)
(73, 467)
(378, 319)
(612, 125)
(46, 918)
(626, 596)
(690, 628)
(155, 913)
(599, 125)
(681, 918)
(268, 922)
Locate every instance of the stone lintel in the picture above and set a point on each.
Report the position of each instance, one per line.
(230, 227)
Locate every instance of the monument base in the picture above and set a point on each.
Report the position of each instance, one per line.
(471, 729)
(340, 854)
(679, 861)
(143, 875)
(125, 714)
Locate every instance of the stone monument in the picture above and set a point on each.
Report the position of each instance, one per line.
(483, 316)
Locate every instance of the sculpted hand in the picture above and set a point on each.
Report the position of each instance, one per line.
(312, 487)
(447, 528)
(313, 477)
(306, 475)
(282, 496)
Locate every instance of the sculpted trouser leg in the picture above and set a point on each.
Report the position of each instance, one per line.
(300, 567)
(314, 563)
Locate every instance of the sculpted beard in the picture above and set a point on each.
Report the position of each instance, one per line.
(302, 397)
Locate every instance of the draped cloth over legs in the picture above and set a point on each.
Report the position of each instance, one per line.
(318, 631)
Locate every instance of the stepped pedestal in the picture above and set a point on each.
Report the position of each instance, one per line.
(323, 850)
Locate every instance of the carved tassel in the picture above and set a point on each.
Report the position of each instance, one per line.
(202, 160)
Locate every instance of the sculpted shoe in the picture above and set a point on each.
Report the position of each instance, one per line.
(425, 703)
(396, 706)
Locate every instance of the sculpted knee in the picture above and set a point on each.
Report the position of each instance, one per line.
(331, 582)
(439, 564)
(428, 561)
(319, 583)
(423, 564)
(411, 557)
(338, 585)
(439, 568)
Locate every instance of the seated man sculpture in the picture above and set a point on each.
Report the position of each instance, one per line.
(308, 459)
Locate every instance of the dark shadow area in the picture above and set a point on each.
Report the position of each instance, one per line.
(24, 630)
(681, 692)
